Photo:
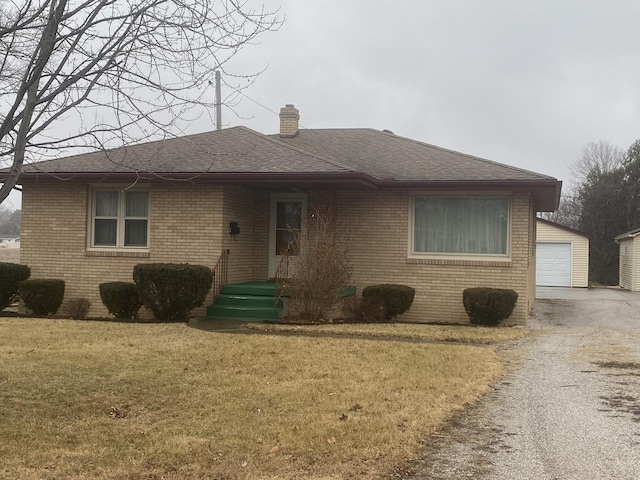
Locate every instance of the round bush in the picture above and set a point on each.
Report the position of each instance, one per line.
(11, 274)
(42, 296)
(489, 306)
(172, 290)
(395, 299)
(121, 299)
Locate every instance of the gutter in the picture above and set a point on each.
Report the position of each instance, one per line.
(546, 192)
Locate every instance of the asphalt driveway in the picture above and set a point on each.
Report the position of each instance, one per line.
(569, 408)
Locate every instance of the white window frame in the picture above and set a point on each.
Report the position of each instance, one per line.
(413, 254)
(120, 219)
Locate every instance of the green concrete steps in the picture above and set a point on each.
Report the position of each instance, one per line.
(250, 288)
(250, 301)
(227, 312)
(347, 292)
(226, 299)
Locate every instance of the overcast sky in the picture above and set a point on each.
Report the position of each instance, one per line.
(526, 83)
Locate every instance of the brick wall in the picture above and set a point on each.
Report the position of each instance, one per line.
(189, 224)
(248, 251)
(185, 227)
(377, 226)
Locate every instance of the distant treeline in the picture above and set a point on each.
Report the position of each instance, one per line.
(9, 221)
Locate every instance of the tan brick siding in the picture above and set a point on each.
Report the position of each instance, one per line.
(248, 251)
(189, 223)
(184, 227)
(377, 225)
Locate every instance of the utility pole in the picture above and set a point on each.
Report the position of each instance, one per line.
(218, 102)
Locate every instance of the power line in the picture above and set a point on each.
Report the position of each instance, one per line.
(258, 103)
(277, 114)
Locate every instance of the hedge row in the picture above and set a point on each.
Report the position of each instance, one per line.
(169, 290)
(172, 290)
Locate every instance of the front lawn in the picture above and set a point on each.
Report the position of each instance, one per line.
(161, 401)
(406, 331)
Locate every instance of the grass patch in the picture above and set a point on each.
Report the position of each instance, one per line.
(150, 401)
(436, 333)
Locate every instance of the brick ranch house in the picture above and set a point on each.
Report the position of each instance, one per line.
(414, 213)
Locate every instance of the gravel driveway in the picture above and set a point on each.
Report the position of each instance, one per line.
(568, 409)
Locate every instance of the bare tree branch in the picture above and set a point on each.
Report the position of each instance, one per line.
(120, 70)
(597, 158)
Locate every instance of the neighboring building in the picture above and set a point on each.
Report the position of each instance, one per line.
(562, 256)
(414, 213)
(630, 260)
(10, 241)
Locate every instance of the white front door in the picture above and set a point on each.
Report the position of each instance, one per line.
(286, 224)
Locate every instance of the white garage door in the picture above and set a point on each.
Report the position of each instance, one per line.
(553, 264)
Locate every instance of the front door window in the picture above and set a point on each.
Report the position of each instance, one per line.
(288, 227)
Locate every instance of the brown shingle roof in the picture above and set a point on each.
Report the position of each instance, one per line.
(356, 157)
(385, 155)
(233, 150)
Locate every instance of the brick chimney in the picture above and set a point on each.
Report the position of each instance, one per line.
(289, 117)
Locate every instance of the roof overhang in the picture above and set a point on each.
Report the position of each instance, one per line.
(626, 235)
(546, 193)
(345, 179)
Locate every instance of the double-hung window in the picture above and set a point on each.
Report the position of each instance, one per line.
(120, 218)
(470, 225)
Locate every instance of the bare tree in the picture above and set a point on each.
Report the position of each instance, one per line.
(322, 268)
(597, 158)
(116, 69)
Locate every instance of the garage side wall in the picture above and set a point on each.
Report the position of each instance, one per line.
(579, 250)
(636, 268)
(626, 263)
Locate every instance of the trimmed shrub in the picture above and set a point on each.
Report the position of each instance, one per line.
(488, 306)
(394, 299)
(172, 290)
(77, 308)
(11, 274)
(121, 299)
(42, 296)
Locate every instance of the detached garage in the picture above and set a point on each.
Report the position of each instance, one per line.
(562, 256)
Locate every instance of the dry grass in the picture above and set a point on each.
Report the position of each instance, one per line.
(159, 401)
(436, 333)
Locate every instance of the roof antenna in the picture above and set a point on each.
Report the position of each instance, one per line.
(218, 104)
